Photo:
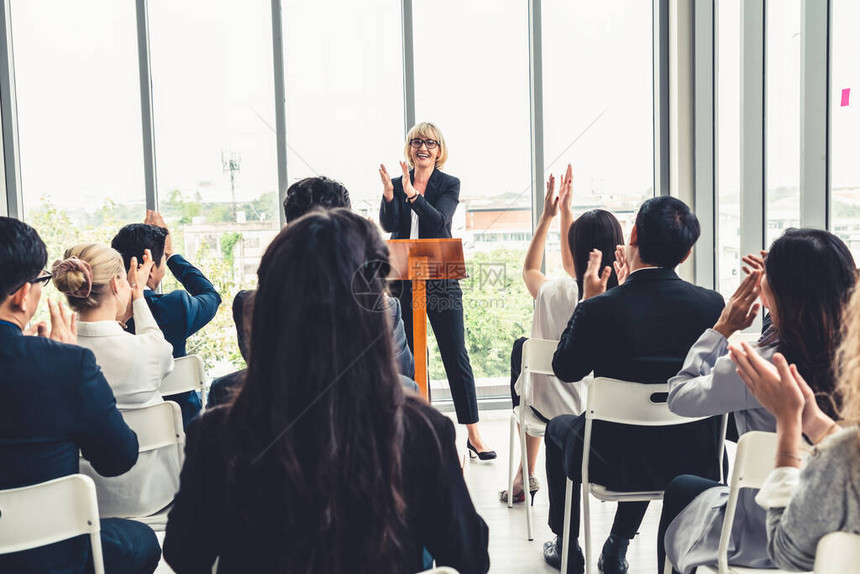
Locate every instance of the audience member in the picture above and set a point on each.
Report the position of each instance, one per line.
(57, 404)
(222, 389)
(180, 313)
(640, 331)
(322, 463)
(315, 193)
(555, 300)
(805, 505)
(93, 278)
(805, 282)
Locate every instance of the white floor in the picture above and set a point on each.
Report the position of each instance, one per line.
(510, 551)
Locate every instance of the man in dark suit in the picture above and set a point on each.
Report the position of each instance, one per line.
(640, 331)
(56, 402)
(180, 313)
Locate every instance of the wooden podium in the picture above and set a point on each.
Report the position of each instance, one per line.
(420, 260)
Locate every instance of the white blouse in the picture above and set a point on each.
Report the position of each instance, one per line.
(554, 305)
(134, 366)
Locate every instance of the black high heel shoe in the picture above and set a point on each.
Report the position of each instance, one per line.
(485, 455)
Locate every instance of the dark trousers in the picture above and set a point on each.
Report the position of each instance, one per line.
(677, 496)
(445, 312)
(564, 441)
(516, 369)
(128, 546)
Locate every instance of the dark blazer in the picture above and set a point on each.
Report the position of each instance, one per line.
(55, 402)
(205, 523)
(182, 313)
(641, 331)
(435, 208)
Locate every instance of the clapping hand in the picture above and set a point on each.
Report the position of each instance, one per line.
(64, 328)
(155, 218)
(620, 264)
(387, 186)
(741, 310)
(565, 191)
(755, 262)
(408, 188)
(138, 275)
(550, 200)
(774, 385)
(594, 281)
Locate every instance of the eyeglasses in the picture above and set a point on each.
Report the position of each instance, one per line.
(416, 143)
(43, 279)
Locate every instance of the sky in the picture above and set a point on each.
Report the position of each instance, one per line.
(212, 80)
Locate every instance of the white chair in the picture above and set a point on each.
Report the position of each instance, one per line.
(188, 374)
(45, 513)
(157, 427)
(625, 403)
(838, 552)
(537, 360)
(753, 462)
(440, 570)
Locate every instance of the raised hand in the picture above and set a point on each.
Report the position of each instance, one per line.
(550, 200)
(155, 218)
(387, 186)
(565, 192)
(773, 385)
(620, 264)
(594, 281)
(741, 310)
(138, 275)
(64, 328)
(755, 262)
(408, 188)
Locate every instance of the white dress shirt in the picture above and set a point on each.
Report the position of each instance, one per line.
(134, 366)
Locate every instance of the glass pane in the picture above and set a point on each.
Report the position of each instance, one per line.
(213, 100)
(472, 80)
(599, 104)
(782, 117)
(344, 75)
(728, 144)
(845, 124)
(79, 118)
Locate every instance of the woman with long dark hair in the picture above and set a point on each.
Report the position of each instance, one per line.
(804, 282)
(322, 463)
(555, 300)
(420, 205)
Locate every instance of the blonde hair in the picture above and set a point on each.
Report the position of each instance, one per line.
(105, 263)
(426, 130)
(848, 362)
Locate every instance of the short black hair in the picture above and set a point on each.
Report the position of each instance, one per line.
(314, 193)
(667, 230)
(242, 308)
(134, 238)
(23, 255)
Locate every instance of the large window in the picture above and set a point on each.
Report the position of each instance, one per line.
(782, 117)
(728, 65)
(213, 102)
(598, 104)
(472, 80)
(79, 119)
(344, 76)
(845, 124)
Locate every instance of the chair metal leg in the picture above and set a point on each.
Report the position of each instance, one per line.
(565, 534)
(586, 521)
(98, 560)
(667, 567)
(511, 461)
(526, 494)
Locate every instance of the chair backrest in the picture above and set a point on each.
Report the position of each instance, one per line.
(188, 374)
(631, 403)
(440, 570)
(753, 462)
(157, 426)
(45, 513)
(838, 552)
(537, 360)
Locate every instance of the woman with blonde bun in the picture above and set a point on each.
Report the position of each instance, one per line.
(105, 296)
